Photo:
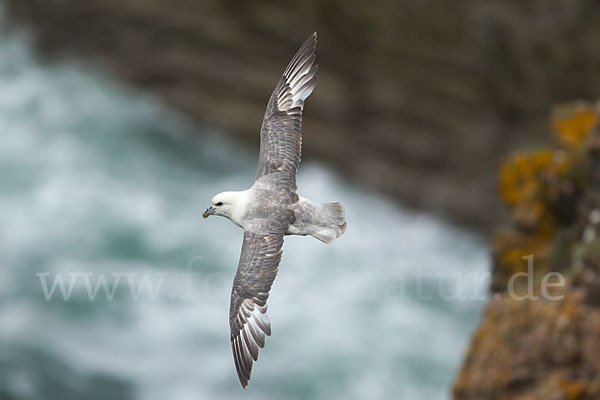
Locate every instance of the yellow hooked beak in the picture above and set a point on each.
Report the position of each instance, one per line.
(209, 211)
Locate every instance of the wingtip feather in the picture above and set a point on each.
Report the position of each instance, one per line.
(300, 74)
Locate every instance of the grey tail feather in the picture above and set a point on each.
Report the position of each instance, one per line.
(336, 225)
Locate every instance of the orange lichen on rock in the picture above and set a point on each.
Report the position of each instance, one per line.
(528, 176)
(530, 183)
(541, 188)
(545, 346)
(572, 123)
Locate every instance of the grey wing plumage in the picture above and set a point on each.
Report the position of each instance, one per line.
(280, 147)
(248, 320)
(280, 135)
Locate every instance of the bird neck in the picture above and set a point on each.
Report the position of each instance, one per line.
(239, 202)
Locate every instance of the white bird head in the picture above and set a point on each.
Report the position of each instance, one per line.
(223, 204)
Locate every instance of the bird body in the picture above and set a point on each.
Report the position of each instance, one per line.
(271, 209)
(253, 210)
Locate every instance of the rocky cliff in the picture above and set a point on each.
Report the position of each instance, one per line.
(419, 99)
(542, 340)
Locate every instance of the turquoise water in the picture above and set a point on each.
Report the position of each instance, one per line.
(100, 182)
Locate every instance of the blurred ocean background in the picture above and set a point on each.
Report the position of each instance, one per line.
(99, 181)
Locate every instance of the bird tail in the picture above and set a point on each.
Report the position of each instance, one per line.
(333, 225)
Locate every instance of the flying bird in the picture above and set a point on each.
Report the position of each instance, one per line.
(271, 208)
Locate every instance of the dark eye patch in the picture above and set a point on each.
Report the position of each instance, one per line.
(219, 204)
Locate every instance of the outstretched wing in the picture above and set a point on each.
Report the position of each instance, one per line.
(248, 319)
(280, 135)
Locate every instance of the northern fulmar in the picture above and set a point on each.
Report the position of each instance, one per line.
(271, 209)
